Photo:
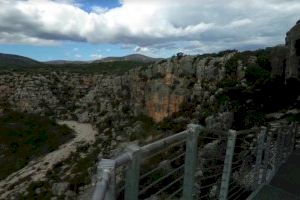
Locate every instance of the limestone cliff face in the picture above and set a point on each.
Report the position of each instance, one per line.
(167, 85)
(157, 91)
(293, 57)
(160, 106)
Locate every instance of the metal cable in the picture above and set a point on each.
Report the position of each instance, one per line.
(215, 167)
(216, 138)
(239, 195)
(166, 187)
(215, 158)
(236, 192)
(233, 168)
(243, 153)
(207, 186)
(233, 188)
(160, 179)
(204, 196)
(174, 193)
(242, 146)
(153, 170)
(246, 132)
(164, 149)
(235, 162)
(231, 182)
(211, 176)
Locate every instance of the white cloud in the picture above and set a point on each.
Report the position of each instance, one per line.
(240, 22)
(99, 10)
(149, 24)
(96, 56)
(20, 38)
(78, 55)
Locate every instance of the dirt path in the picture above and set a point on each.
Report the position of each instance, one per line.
(37, 169)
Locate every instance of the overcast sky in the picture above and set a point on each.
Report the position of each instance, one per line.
(92, 29)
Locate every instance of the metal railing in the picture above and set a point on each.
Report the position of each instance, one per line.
(197, 164)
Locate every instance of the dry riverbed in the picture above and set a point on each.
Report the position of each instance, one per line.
(37, 169)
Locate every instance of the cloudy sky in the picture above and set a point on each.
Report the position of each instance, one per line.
(92, 29)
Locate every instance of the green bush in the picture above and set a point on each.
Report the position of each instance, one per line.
(227, 83)
(253, 118)
(256, 74)
(232, 65)
(263, 61)
(24, 137)
(45, 191)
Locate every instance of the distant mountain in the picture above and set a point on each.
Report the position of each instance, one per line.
(107, 65)
(62, 62)
(16, 61)
(132, 57)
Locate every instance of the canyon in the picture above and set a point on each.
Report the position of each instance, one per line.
(159, 98)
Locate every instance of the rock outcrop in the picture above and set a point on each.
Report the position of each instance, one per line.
(293, 57)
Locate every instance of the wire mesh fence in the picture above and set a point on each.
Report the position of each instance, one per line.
(188, 165)
(212, 151)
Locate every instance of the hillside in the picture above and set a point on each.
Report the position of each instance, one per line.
(132, 57)
(9, 61)
(62, 62)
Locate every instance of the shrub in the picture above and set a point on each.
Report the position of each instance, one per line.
(263, 61)
(256, 74)
(27, 136)
(232, 65)
(228, 82)
(45, 191)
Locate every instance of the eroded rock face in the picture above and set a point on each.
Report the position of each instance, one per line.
(278, 60)
(293, 57)
(160, 106)
(158, 91)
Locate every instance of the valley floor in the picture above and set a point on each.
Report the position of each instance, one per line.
(37, 169)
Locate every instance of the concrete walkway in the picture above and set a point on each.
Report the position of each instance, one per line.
(286, 183)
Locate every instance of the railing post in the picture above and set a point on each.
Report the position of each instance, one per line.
(106, 189)
(227, 165)
(133, 173)
(278, 151)
(293, 131)
(287, 142)
(190, 161)
(266, 156)
(259, 153)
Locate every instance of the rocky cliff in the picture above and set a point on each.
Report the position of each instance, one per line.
(157, 91)
(293, 57)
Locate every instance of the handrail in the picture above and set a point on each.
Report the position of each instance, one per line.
(163, 143)
(103, 185)
(106, 186)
